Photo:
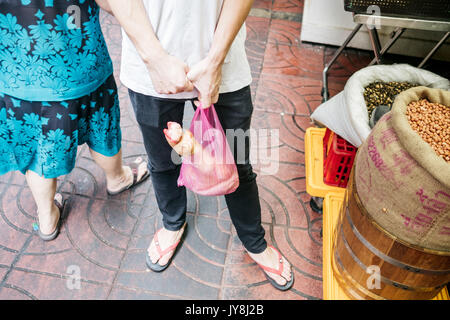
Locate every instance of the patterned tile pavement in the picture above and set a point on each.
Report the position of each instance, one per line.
(104, 238)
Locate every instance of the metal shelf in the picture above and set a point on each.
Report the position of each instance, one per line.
(401, 24)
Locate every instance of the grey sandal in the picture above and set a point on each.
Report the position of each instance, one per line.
(54, 234)
(135, 170)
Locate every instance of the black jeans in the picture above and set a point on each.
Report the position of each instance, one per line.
(234, 110)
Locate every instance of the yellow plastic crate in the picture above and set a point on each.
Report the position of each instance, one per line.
(331, 290)
(314, 164)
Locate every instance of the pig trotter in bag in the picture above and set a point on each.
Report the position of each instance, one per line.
(208, 166)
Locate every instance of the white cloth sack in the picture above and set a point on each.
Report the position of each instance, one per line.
(346, 113)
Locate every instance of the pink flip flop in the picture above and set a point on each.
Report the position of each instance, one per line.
(278, 272)
(156, 266)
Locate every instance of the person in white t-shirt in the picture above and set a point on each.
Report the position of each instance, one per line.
(174, 51)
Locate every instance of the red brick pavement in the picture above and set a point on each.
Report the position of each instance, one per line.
(105, 238)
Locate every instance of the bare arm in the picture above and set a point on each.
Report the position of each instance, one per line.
(232, 17)
(104, 5)
(168, 73)
(207, 75)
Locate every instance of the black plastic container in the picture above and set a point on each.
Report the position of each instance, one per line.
(431, 9)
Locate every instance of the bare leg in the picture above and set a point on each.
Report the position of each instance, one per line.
(117, 176)
(43, 191)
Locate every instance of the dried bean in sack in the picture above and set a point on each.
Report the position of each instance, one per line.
(403, 184)
(432, 122)
(383, 93)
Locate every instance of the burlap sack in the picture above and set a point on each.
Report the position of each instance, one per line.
(402, 183)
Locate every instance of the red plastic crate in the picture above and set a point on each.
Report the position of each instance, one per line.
(338, 159)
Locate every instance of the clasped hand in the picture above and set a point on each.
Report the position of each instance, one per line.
(170, 75)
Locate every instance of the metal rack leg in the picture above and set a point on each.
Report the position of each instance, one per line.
(433, 51)
(325, 93)
(396, 34)
(376, 46)
(316, 203)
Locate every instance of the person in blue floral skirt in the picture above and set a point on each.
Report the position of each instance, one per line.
(57, 91)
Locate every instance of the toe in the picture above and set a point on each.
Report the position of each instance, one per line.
(278, 279)
(287, 270)
(153, 254)
(165, 259)
(287, 274)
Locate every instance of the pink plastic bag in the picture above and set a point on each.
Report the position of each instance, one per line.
(211, 171)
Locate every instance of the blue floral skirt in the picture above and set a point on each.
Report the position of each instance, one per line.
(44, 136)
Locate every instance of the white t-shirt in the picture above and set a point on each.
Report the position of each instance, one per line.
(185, 30)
